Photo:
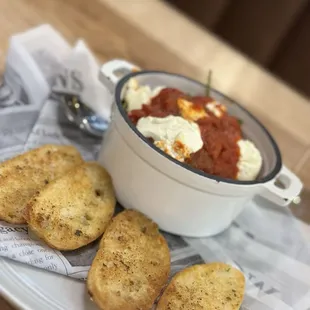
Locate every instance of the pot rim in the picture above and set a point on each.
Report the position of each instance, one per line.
(270, 176)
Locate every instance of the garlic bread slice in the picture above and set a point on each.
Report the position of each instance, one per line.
(22, 176)
(75, 209)
(208, 286)
(131, 266)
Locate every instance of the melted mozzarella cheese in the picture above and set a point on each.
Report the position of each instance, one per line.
(172, 134)
(250, 161)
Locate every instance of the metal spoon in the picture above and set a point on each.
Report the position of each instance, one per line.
(80, 114)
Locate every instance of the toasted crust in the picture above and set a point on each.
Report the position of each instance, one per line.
(215, 286)
(22, 176)
(73, 210)
(132, 264)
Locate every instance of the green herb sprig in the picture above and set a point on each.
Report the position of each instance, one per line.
(208, 86)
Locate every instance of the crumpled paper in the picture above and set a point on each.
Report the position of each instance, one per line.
(80, 77)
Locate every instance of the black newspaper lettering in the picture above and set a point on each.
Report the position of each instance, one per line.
(251, 276)
(239, 266)
(42, 250)
(62, 79)
(26, 253)
(272, 290)
(49, 257)
(3, 248)
(76, 81)
(54, 266)
(6, 230)
(23, 244)
(21, 229)
(3, 230)
(45, 133)
(36, 261)
(18, 245)
(8, 239)
(250, 235)
(51, 267)
(20, 238)
(260, 285)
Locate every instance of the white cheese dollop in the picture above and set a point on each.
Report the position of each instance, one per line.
(170, 132)
(137, 95)
(216, 108)
(250, 161)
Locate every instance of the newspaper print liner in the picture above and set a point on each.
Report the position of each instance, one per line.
(277, 268)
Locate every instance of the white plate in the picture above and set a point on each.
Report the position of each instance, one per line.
(31, 288)
(34, 289)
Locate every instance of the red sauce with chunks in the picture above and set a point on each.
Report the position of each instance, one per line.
(220, 153)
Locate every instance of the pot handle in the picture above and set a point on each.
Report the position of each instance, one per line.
(112, 71)
(290, 189)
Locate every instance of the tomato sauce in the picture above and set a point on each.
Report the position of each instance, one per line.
(220, 153)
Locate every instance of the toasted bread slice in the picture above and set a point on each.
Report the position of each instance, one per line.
(209, 286)
(131, 266)
(22, 176)
(73, 210)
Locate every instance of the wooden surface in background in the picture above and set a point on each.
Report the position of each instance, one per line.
(272, 33)
(143, 32)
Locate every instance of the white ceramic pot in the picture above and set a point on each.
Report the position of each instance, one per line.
(182, 200)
